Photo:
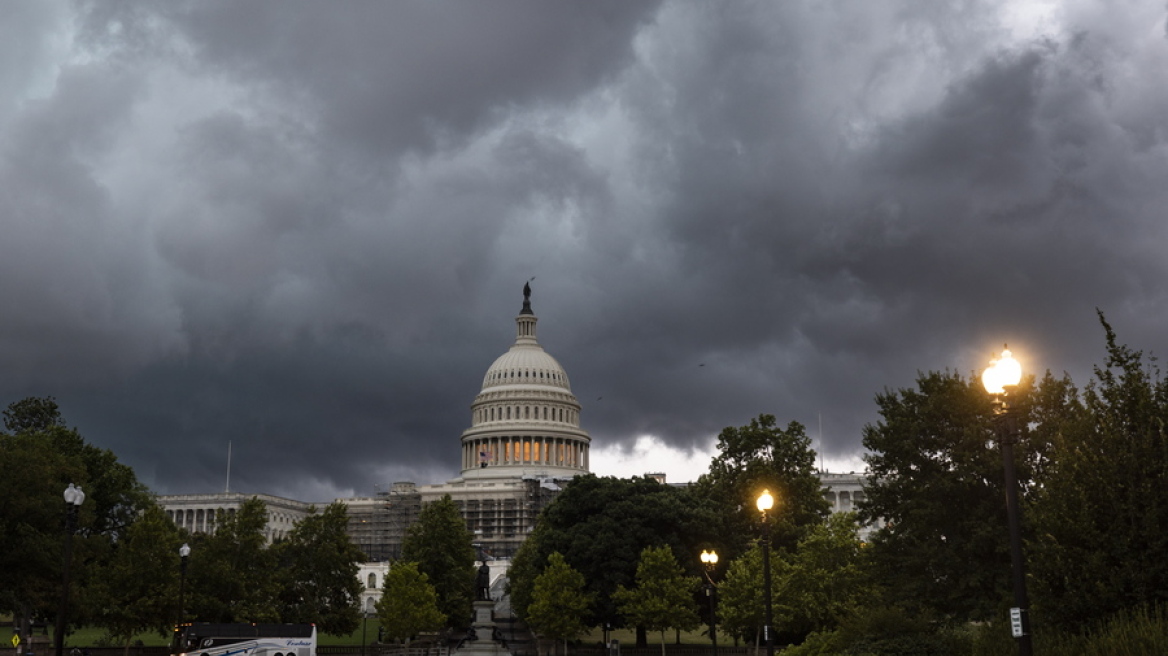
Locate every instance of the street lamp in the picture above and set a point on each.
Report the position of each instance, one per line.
(74, 497)
(184, 552)
(764, 503)
(1000, 379)
(710, 560)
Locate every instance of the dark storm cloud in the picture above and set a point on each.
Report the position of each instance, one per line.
(301, 228)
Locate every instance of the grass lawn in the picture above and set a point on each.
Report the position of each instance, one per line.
(90, 636)
(629, 637)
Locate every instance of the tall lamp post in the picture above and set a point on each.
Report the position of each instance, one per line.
(764, 503)
(710, 560)
(74, 497)
(184, 552)
(1000, 379)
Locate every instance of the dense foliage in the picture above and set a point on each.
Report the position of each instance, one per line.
(318, 573)
(408, 604)
(936, 479)
(759, 456)
(441, 545)
(663, 597)
(601, 526)
(559, 603)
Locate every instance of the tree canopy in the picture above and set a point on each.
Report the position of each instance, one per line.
(663, 597)
(1100, 505)
(408, 604)
(601, 525)
(442, 546)
(936, 480)
(759, 456)
(559, 603)
(318, 571)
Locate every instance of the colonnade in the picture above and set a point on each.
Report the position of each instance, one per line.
(525, 450)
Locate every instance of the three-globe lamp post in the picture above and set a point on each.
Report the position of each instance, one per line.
(1000, 379)
(74, 497)
(764, 503)
(710, 561)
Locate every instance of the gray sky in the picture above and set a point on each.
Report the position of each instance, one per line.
(304, 227)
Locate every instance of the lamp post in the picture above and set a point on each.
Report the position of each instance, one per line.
(184, 552)
(74, 497)
(999, 380)
(764, 503)
(710, 560)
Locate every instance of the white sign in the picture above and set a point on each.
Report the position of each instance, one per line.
(1016, 622)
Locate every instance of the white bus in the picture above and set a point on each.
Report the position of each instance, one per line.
(210, 639)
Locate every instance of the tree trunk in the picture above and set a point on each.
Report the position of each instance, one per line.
(662, 642)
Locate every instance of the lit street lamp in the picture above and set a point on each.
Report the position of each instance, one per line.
(999, 380)
(765, 503)
(710, 560)
(74, 497)
(184, 552)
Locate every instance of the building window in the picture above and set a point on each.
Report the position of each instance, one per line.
(372, 580)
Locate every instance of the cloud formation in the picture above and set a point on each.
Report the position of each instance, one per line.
(303, 228)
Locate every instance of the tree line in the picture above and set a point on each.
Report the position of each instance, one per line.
(126, 568)
(935, 577)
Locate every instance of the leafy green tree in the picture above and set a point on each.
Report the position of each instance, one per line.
(1101, 506)
(825, 581)
(231, 575)
(408, 604)
(664, 596)
(559, 602)
(31, 516)
(936, 478)
(135, 590)
(318, 567)
(441, 545)
(601, 525)
(762, 456)
(740, 597)
(32, 415)
(51, 456)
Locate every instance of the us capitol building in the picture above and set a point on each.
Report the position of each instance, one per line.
(524, 443)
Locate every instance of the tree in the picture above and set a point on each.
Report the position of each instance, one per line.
(232, 573)
(825, 581)
(936, 478)
(761, 456)
(408, 604)
(441, 545)
(135, 590)
(559, 603)
(664, 596)
(740, 597)
(31, 516)
(1101, 508)
(600, 525)
(32, 415)
(51, 456)
(318, 566)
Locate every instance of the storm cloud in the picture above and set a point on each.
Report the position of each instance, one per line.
(302, 228)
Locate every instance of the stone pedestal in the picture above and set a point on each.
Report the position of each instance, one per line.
(484, 616)
(484, 628)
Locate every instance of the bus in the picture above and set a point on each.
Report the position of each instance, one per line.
(212, 639)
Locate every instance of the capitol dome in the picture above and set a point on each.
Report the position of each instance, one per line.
(525, 421)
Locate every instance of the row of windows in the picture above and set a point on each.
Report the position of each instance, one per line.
(503, 413)
(525, 374)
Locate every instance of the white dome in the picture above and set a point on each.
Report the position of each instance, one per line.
(525, 421)
(526, 365)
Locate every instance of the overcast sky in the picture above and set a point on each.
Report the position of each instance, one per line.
(303, 228)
